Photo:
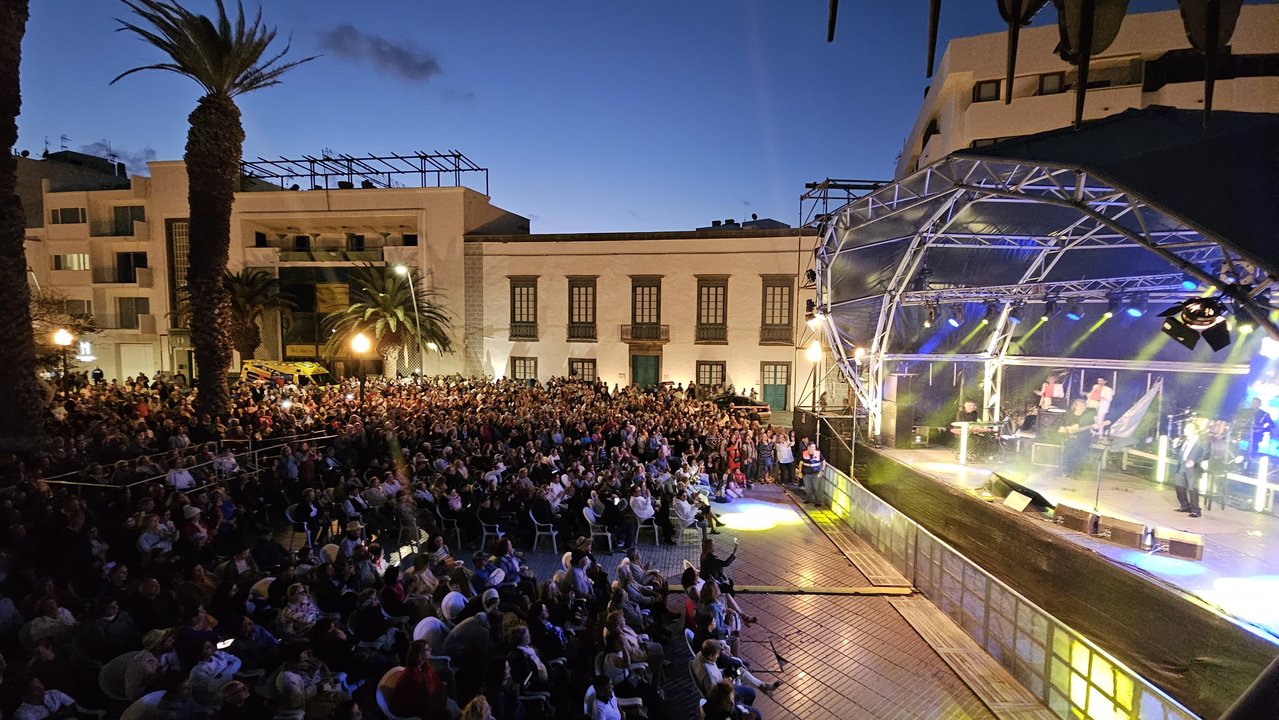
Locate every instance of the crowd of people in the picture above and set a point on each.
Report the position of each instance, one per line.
(152, 563)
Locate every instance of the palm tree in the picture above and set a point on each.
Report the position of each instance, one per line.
(226, 59)
(254, 292)
(20, 423)
(382, 307)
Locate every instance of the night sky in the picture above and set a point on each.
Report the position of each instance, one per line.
(591, 116)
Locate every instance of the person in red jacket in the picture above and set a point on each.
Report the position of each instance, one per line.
(419, 691)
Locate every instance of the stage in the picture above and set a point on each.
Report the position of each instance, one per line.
(1239, 572)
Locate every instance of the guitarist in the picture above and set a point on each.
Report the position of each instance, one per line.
(1076, 428)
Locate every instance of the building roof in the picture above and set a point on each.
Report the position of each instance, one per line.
(719, 233)
(1222, 180)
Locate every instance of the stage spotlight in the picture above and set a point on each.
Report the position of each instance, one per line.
(1075, 312)
(931, 317)
(1050, 309)
(1112, 307)
(1188, 281)
(1198, 317)
(1014, 315)
(991, 310)
(956, 317)
(1245, 327)
(811, 275)
(1136, 305)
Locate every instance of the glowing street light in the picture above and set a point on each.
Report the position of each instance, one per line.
(814, 351)
(360, 345)
(63, 339)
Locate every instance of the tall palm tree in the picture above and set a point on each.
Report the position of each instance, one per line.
(382, 307)
(20, 423)
(254, 292)
(226, 59)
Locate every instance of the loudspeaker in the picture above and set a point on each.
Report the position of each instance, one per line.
(1000, 486)
(1181, 544)
(1122, 532)
(1075, 519)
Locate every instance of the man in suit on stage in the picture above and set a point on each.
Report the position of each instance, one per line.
(1194, 453)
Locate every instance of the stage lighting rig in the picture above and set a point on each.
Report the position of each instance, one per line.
(1050, 309)
(1204, 317)
(931, 318)
(1075, 311)
(1112, 306)
(956, 316)
(1015, 313)
(1136, 305)
(992, 309)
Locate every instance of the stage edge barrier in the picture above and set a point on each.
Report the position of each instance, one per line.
(1071, 676)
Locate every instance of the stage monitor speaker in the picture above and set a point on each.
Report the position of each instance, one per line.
(1181, 544)
(1002, 487)
(1076, 519)
(1122, 532)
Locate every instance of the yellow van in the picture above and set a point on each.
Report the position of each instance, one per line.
(298, 373)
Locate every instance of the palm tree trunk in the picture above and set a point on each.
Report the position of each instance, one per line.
(21, 423)
(214, 143)
(390, 361)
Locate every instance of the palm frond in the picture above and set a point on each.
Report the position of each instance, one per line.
(225, 57)
(382, 307)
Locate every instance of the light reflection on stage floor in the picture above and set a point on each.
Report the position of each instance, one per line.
(1239, 573)
(754, 515)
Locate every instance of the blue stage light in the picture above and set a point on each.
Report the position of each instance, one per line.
(956, 317)
(1075, 312)
(1189, 284)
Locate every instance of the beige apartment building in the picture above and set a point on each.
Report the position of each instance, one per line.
(1149, 63)
(718, 305)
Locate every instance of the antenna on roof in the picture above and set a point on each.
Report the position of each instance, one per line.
(64, 140)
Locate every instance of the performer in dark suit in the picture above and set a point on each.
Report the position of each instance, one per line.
(1076, 430)
(1194, 452)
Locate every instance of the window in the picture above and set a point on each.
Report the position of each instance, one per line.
(777, 323)
(524, 368)
(582, 369)
(986, 90)
(67, 216)
(127, 265)
(646, 301)
(123, 217)
(710, 373)
(581, 308)
(1052, 83)
(984, 142)
(712, 309)
(78, 307)
(523, 308)
(71, 261)
(130, 310)
(177, 234)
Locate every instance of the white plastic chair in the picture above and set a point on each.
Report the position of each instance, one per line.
(330, 552)
(259, 588)
(597, 530)
(111, 677)
(433, 630)
(623, 704)
(647, 524)
(290, 514)
(688, 640)
(141, 708)
(541, 530)
(490, 530)
(383, 686)
(449, 525)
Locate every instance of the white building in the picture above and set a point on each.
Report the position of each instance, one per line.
(716, 305)
(1149, 63)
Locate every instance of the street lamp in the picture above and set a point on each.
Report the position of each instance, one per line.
(417, 321)
(63, 339)
(360, 345)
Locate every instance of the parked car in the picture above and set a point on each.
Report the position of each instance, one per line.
(742, 406)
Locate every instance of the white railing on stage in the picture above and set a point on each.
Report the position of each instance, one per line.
(1070, 675)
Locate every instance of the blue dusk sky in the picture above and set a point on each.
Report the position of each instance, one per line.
(592, 116)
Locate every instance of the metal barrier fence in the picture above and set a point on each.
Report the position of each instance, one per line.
(1070, 675)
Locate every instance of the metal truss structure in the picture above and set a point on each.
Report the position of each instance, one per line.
(1044, 213)
(391, 170)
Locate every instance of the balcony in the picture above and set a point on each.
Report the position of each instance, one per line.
(776, 334)
(712, 334)
(114, 321)
(523, 331)
(113, 228)
(123, 276)
(373, 255)
(582, 332)
(646, 333)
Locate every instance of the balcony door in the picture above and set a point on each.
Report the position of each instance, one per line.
(646, 370)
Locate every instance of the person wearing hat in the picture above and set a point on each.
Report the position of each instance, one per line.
(146, 666)
(193, 528)
(354, 537)
(486, 573)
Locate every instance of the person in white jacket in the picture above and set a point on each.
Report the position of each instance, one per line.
(213, 672)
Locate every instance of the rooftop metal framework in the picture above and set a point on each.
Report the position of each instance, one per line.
(416, 169)
(1024, 231)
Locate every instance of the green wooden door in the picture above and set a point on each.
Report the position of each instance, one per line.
(776, 383)
(645, 369)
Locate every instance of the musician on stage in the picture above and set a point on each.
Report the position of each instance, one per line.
(1193, 455)
(1050, 391)
(1099, 398)
(968, 412)
(1254, 424)
(1076, 428)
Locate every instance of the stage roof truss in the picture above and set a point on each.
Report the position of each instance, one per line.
(939, 207)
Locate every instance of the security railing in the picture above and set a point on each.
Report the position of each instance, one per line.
(1070, 675)
(646, 332)
(712, 333)
(523, 331)
(581, 331)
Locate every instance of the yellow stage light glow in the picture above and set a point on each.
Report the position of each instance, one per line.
(752, 516)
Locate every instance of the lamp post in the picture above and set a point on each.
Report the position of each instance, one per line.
(360, 345)
(63, 339)
(417, 321)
